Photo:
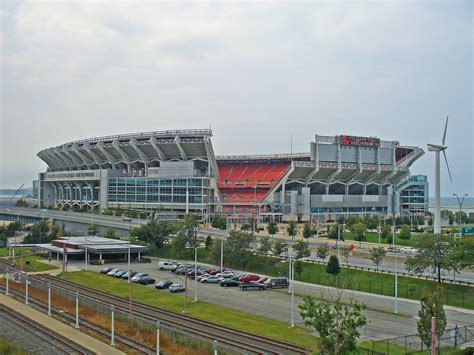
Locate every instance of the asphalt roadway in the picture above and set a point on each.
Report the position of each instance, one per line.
(276, 304)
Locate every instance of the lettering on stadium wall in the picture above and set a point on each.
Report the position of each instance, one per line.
(71, 175)
(362, 141)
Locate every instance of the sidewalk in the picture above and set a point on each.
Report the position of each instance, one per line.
(60, 328)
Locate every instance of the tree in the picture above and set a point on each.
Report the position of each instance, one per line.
(464, 253)
(386, 232)
(333, 232)
(238, 247)
(333, 266)
(337, 324)
(434, 252)
(377, 255)
(219, 221)
(323, 250)
(265, 245)
(298, 265)
(21, 203)
(307, 231)
(431, 306)
(405, 232)
(154, 232)
(110, 233)
(345, 252)
(209, 242)
(291, 229)
(272, 228)
(39, 233)
(279, 247)
(359, 230)
(93, 229)
(302, 249)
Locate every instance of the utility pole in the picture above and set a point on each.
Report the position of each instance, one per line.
(460, 202)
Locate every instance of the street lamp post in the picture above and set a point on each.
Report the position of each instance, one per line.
(460, 202)
(222, 255)
(396, 266)
(292, 293)
(339, 238)
(195, 263)
(379, 230)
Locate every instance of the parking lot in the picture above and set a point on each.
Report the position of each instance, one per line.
(273, 304)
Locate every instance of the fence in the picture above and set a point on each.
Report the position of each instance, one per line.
(142, 330)
(413, 344)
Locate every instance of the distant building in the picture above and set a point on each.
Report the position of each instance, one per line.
(412, 196)
(177, 172)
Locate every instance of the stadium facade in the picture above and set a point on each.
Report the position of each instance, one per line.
(178, 172)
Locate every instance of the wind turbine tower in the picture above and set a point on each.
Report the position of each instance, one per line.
(438, 148)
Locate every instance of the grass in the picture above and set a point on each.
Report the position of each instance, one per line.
(4, 251)
(359, 280)
(379, 347)
(204, 310)
(9, 348)
(32, 262)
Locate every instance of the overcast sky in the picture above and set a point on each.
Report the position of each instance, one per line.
(257, 72)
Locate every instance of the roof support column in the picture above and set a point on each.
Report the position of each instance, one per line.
(177, 141)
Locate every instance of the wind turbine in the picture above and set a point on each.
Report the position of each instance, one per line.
(438, 148)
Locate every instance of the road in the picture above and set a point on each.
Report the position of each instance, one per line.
(276, 304)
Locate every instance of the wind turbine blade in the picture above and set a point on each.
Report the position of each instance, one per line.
(445, 129)
(447, 165)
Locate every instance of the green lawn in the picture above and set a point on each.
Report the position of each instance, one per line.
(32, 262)
(9, 348)
(204, 310)
(379, 347)
(4, 251)
(373, 237)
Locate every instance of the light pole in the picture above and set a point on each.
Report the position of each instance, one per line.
(292, 293)
(460, 202)
(222, 255)
(396, 265)
(339, 238)
(195, 263)
(379, 230)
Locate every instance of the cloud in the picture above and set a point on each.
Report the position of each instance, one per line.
(258, 72)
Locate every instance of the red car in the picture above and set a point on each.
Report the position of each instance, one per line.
(249, 277)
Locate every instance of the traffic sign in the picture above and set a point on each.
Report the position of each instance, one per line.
(467, 231)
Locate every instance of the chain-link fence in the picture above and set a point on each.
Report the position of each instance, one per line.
(451, 339)
(80, 310)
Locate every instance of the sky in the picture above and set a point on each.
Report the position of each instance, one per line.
(260, 74)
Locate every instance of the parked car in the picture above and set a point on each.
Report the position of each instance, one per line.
(126, 219)
(120, 273)
(212, 271)
(183, 269)
(192, 272)
(139, 276)
(244, 286)
(210, 279)
(229, 283)
(106, 270)
(163, 284)
(226, 274)
(166, 265)
(176, 266)
(113, 272)
(125, 276)
(201, 276)
(146, 280)
(176, 288)
(249, 277)
(276, 282)
(260, 281)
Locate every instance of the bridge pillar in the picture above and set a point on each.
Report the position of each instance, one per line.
(139, 256)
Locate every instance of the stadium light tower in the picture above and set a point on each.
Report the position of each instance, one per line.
(438, 148)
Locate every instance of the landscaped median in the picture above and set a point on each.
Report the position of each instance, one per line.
(204, 310)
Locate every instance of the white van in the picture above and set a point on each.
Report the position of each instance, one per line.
(166, 265)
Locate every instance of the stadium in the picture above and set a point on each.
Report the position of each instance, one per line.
(177, 172)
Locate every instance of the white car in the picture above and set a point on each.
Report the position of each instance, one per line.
(201, 276)
(226, 274)
(210, 279)
(176, 288)
(139, 276)
(166, 265)
(113, 272)
(408, 250)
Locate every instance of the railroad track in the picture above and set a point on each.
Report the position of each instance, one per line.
(233, 338)
(4, 264)
(67, 318)
(55, 342)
